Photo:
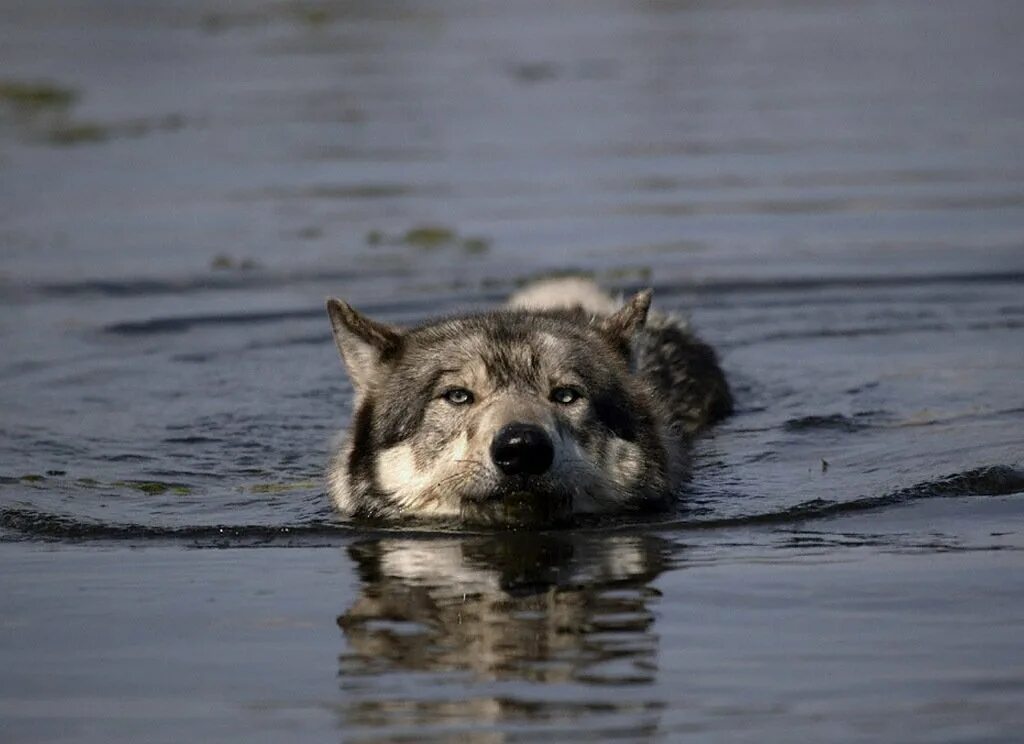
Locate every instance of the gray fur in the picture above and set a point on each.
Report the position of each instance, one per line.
(647, 385)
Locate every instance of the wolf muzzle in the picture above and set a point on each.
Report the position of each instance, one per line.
(522, 449)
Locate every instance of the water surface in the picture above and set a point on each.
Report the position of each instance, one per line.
(833, 193)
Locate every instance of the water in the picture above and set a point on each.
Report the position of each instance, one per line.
(832, 192)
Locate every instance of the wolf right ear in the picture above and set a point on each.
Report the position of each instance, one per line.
(620, 327)
(362, 343)
(630, 318)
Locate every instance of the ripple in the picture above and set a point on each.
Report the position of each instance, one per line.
(832, 422)
(32, 523)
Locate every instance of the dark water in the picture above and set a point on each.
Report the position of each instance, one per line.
(832, 191)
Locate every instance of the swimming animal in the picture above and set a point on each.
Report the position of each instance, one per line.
(562, 403)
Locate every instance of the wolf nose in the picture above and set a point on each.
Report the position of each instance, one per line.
(522, 449)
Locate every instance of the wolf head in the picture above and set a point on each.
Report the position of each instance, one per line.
(509, 417)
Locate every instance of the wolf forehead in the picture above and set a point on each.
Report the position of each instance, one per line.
(509, 349)
(373, 351)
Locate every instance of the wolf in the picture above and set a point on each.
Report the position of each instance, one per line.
(564, 403)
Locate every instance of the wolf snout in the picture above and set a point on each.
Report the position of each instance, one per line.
(522, 449)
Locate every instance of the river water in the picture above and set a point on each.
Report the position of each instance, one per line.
(833, 192)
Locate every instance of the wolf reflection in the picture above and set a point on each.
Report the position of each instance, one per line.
(548, 608)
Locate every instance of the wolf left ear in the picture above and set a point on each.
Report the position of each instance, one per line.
(630, 318)
(362, 343)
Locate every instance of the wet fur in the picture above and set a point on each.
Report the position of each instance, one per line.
(649, 385)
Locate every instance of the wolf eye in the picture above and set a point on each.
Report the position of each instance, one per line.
(565, 395)
(458, 396)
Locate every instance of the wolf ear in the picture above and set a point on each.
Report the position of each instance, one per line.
(630, 318)
(362, 343)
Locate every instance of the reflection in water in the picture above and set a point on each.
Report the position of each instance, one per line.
(572, 613)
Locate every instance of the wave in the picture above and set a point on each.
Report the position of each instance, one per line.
(24, 523)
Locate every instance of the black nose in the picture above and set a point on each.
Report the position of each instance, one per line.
(522, 449)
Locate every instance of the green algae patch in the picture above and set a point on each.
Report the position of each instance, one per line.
(430, 237)
(69, 132)
(284, 487)
(77, 133)
(154, 488)
(42, 112)
(31, 97)
(143, 486)
(151, 487)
